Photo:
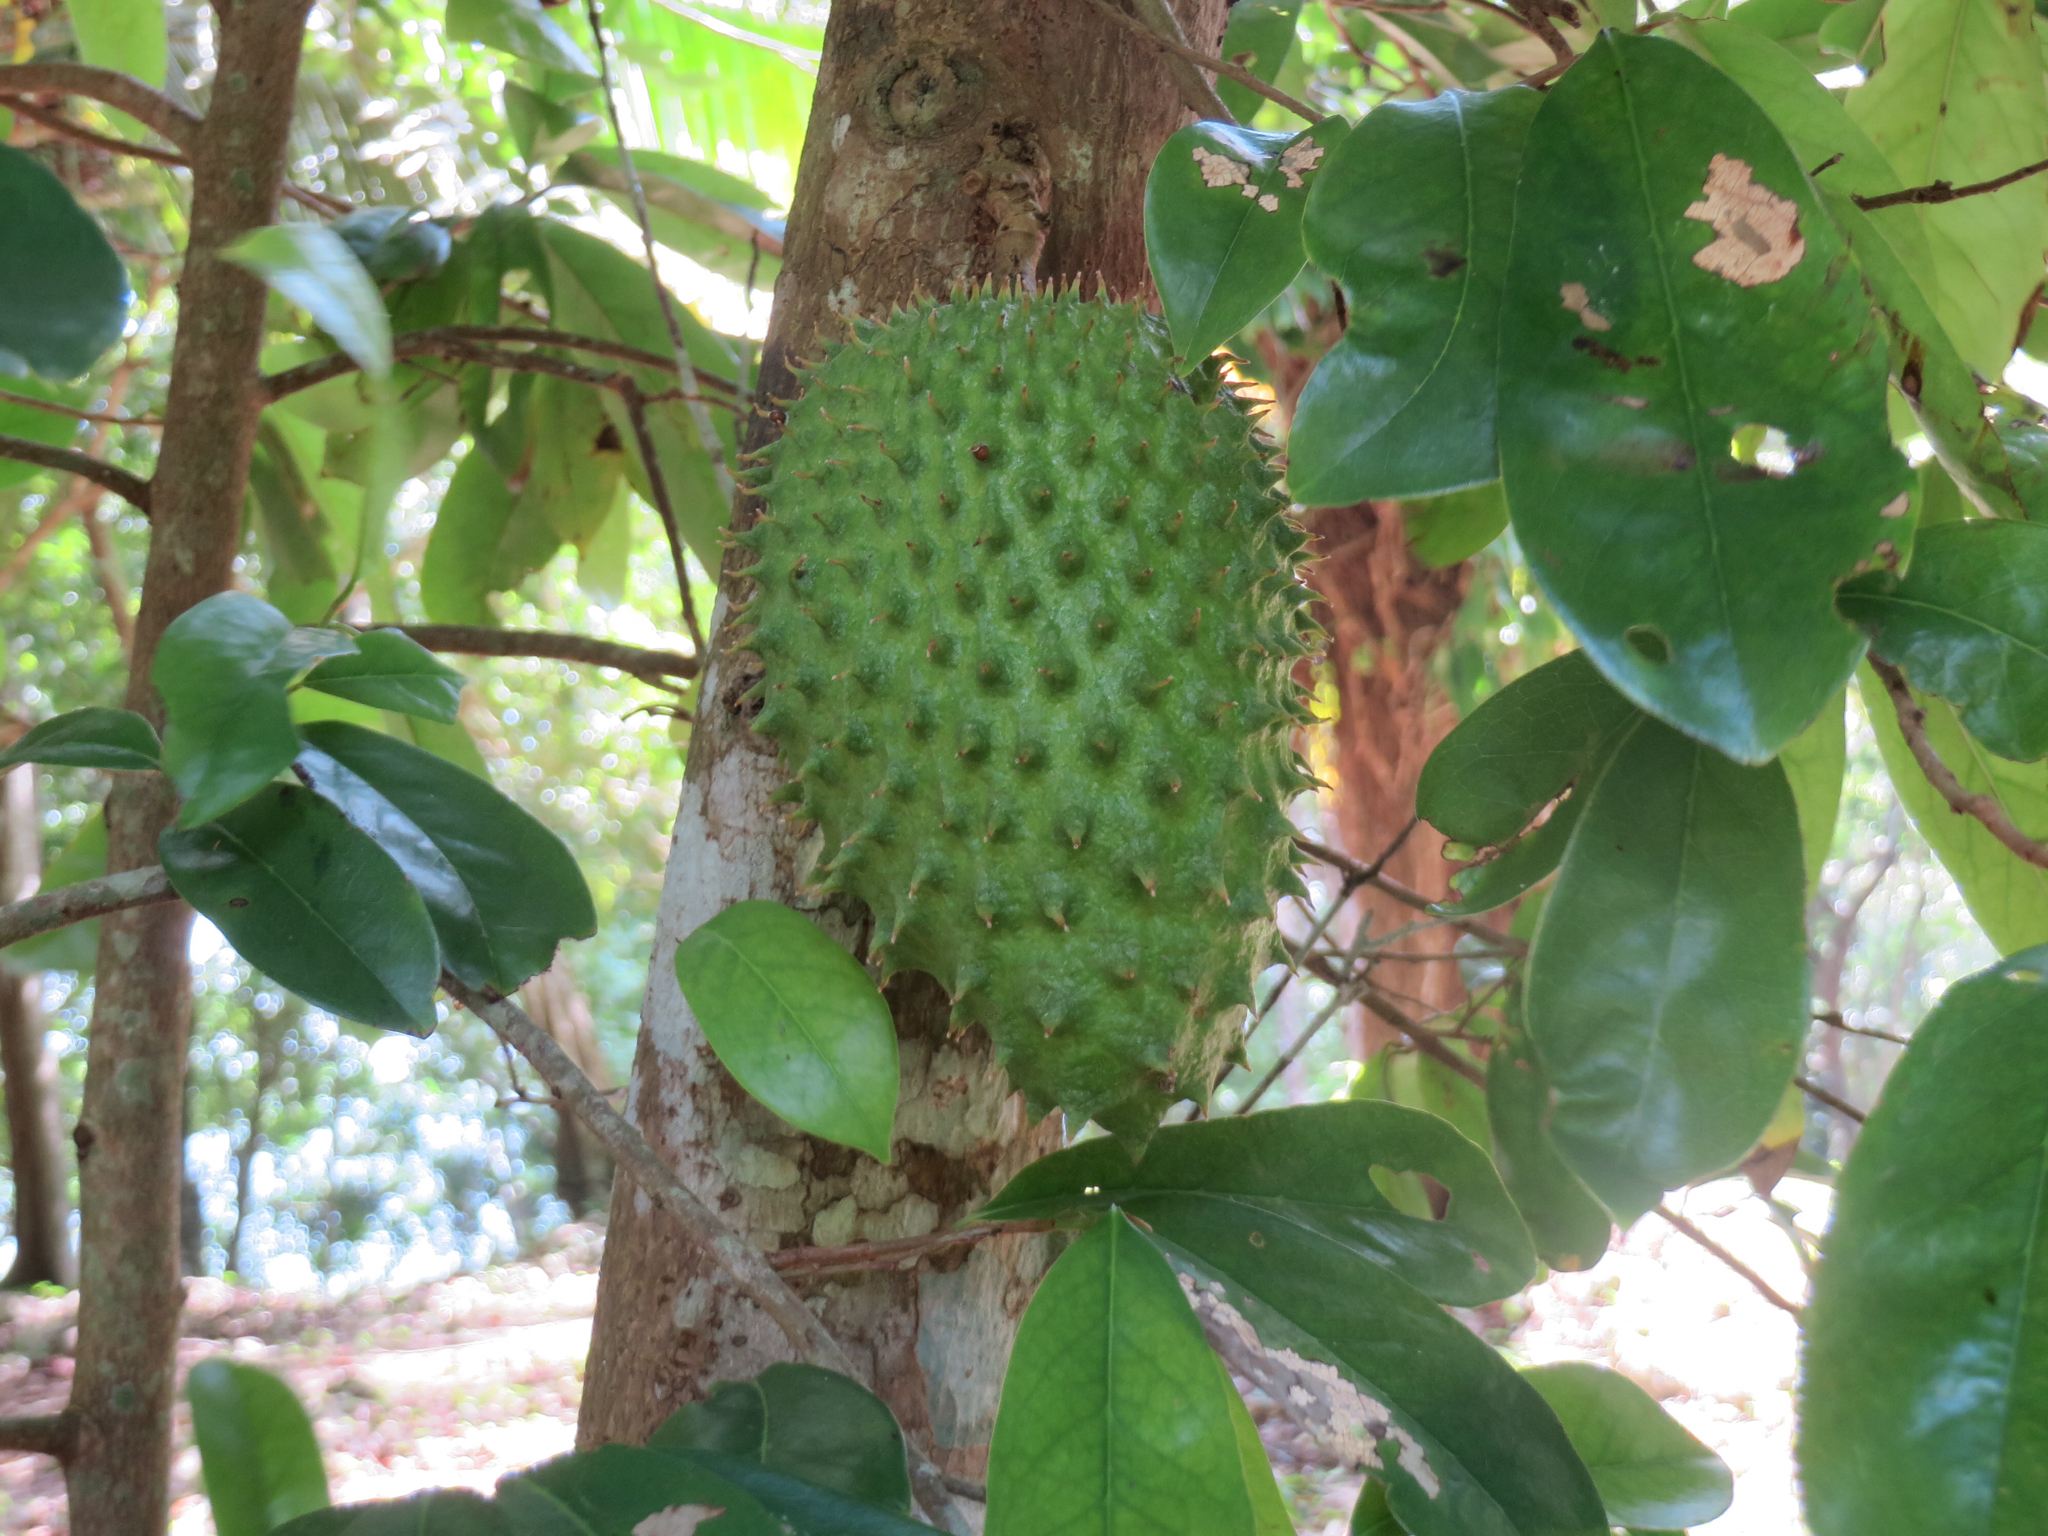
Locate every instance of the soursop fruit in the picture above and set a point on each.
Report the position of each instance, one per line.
(1028, 611)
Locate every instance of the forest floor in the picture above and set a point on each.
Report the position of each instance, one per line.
(462, 1381)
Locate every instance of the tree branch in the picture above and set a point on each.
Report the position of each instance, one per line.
(1834, 1101)
(478, 640)
(657, 490)
(54, 408)
(1834, 1020)
(1964, 802)
(892, 1253)
(1215, 66)
(130, 488)
(42, 1434)
(109, 87)
(713, 1244)
(1344, 864)
(1763, 1286)
(1948, 192)
(1195, 90)
(70, 904)
(466, 343)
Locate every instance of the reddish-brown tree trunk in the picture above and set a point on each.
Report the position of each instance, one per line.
(949, 140)
(42, 1209)
(129, 1133)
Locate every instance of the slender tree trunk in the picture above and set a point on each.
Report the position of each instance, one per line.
(269, 1034)
(42, 1211)
(557, 1005)
(949, 139)
(129, 1132)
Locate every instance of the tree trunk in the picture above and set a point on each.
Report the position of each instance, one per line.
(129, 1131)
(557, 1005)
(42, 1212)
(948, 140)
(269, 1032)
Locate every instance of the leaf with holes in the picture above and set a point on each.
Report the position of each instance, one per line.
(1223, 210)
(257, 1454)
(1411, 215)
(1689, 505)
(87, 738)
(1310, 1166)
(1114, 1418)
(1650, 1471)
(314, 904)
(1923, 1400)
(796, 1020)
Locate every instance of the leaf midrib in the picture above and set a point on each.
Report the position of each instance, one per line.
(817, 1050)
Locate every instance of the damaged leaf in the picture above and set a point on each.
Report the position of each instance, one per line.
(1698, 573)
(1412, 218)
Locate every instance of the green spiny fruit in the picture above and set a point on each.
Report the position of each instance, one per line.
(1027, 609)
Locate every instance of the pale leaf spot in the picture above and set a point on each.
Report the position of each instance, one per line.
(1580, 303)
(1250, 190)
(1299, 161)
(677, 1520)
(1633, 402)
(1896, 507)
(1757, 237)
(1270, 203)
(1220, 170)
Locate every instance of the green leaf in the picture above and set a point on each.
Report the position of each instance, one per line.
(1114, 1418)
(1629, 426)
(314, 904)
(394, 245)
(485, 540)
(1223, 210)
(1310, 1167)
(257, 1453)
(2005, 894)
(223, 667)
(87, 738)
(1258, 37)
(1571, 1228)
(1412, 215)
(1959, 97)
(804, 1507)
(612, 1490)
(1452, 528)
(714, 219)
(502, 890)
(76, 947)
(1649, 1470)
(1269, 1508)
(1370, 1516)
(438, 1512)
(124, 35)
(65, 300)
(544, 130)
(1814, 762)
(796, 1020)
(579, 458)
(1667, 980)
(56, 428)
(1923, 1404)
(1468, 1448)
(1968, 623)
(806, 1421)
(520, 28)
(303, 522)
(391, 670)
(311, 266)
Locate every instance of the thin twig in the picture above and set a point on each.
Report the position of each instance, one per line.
(459, 341)
(41, 1434)
(132, 489)
(70, 904)
(110, 87)
(1322, 853)
(1762, 1285)
(892, 1253)
(480, 640)
(1196, 93)
(1834, 1101)
(1948, 192)
(1383, 1007)
(1215, 66)
(1342, 996)
(1964, 802)
(57, 408)
(657, 490)
(1836, 1021)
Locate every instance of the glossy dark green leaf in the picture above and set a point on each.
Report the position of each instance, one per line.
(391, 670)
(1370, 1516)
(1649, 1469)
(1411, 214)
(1310, 1167)
(1655, 473)
(257, 1453)
(1969, 623)
(1452, 528)
(1269, 1507)
(1570, 1227)
(804, 1507)
(1667, 981)
(798, 1022)
(518, 27)
(314, 904)
(1259, 36)
(612, 1490)
(1466, 1446)
(1114, 1419)
(394, 245)
(75, 947)
(1924, 1405)
(501, 888)
(87, 738)
(804, 1420)
(223, 667)
(485, 540)
(313, 267)
(56, 428)
(1223, 212)
(65, 300)
(440, 1512)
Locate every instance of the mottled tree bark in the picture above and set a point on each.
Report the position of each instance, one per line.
(557, 1005)
(949, 140)
(129, 1131)
(35, 1140)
